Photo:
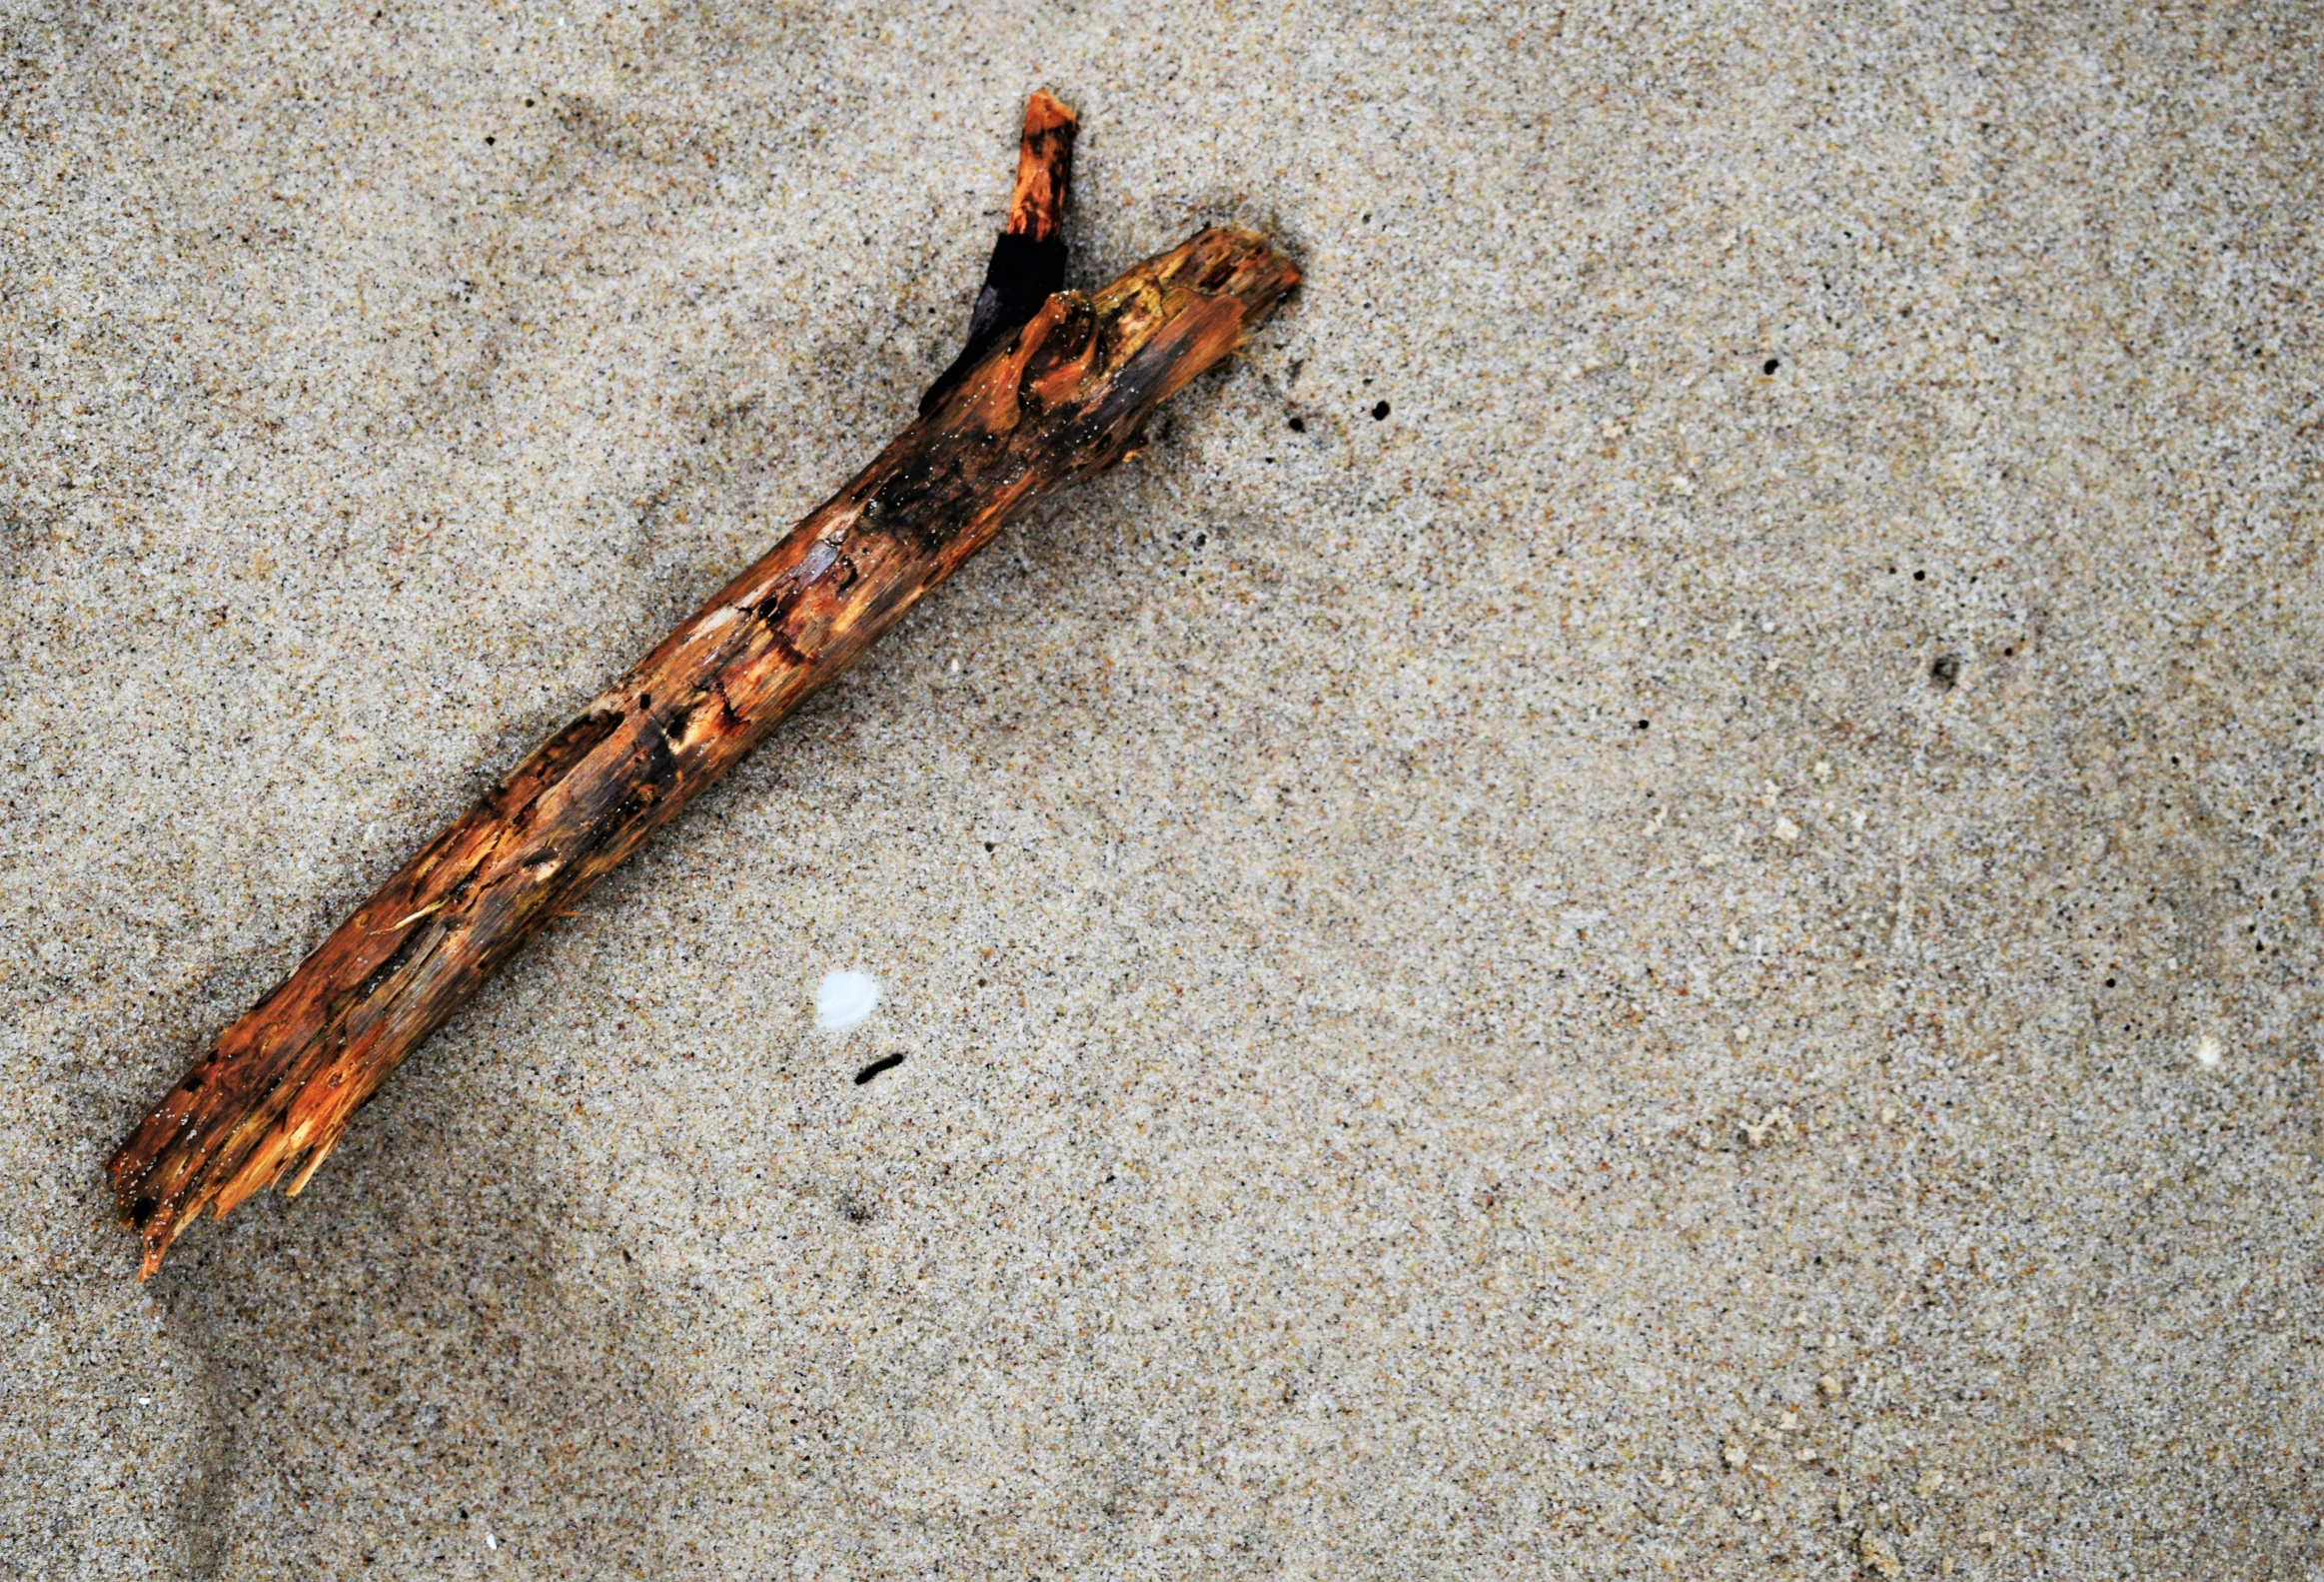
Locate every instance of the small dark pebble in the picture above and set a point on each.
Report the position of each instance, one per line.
(886, 1062)
(1772, 364)
(1379, 411)
(1299, 425)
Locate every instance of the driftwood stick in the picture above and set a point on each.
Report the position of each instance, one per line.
(1064, 395)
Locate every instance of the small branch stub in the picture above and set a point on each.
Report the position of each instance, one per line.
(1054, 396)
(1028, 262)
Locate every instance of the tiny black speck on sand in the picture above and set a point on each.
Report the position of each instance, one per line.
(886, 1062)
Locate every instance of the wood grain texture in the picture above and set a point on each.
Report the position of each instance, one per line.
(1044, 171)
(1065, 396)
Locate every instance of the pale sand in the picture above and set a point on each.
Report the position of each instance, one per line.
(1336, 1031)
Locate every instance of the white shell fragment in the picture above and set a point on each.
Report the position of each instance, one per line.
(845, 1000)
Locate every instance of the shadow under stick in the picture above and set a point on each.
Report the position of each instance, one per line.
(1053, 399)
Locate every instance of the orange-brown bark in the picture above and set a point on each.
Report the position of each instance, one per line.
(1063, 397)
(1044, 170)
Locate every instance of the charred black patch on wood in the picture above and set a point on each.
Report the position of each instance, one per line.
(1022, 275)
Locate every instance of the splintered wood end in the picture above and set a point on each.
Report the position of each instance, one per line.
(1044, 169)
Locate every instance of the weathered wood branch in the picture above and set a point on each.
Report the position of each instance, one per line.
(1064, 395)
(1028, 262)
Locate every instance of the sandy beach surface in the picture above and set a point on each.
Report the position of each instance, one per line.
(1645, 903)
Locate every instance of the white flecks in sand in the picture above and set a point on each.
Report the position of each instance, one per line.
(2209, 1050)
(845, 1000)
(1575, 922)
